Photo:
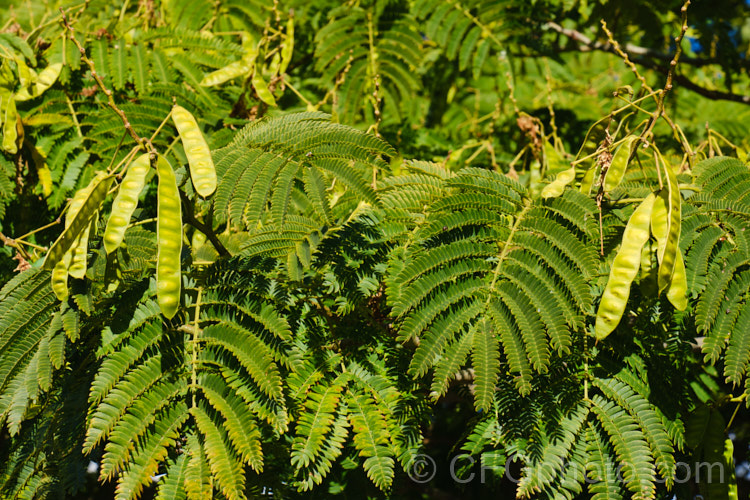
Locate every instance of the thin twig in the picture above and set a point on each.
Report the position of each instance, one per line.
(100, 83)
(190, 218)
(161, 125)
(668, 84)
(618, 50)
(10, 242)
(640, 56)
(298, 93)
(73, 114)
(635, 49)
(46, 226)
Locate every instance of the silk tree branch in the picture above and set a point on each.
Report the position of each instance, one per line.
(653, 60)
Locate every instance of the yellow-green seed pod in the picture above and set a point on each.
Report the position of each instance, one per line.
(274, 65)
(669, 255)
(660, 221)
(244, 67)
(202, 169)
(648, 270)
(60, 281)
(26, 75)
(44, 80)
(74, 260)
(45, 179)
(82, 209)
(624, 269)
(234, 70)
(261, 88)
(47, 77)
(287, 47)
(73, 263)
(732, 493)
(169, 240)
(10, 130)
(556, 187)
(677, 290)
(666, 226)
(126, 202)
(619, 164)
(588, 179)
(78, 254)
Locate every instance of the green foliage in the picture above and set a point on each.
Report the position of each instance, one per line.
(387, 268)
(373, 56)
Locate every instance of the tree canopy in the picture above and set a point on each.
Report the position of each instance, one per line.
(374, 249)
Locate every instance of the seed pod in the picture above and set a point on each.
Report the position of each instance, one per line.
(169, 240)
(45, 179)
(274, 65)
(60, 281)
(231, 71)
(44, 80)
(78, 253)
(677, 290)
(288, 47)
(624, 269)
(10, 132)
(125, 202)
(648, 270)
(202, 169)
(588, 179)
(74, 260)
(665, 226)
(26, 75)
(732, 493)
(243, 67)
(261, 88)
(619, 164)
(556, 187)
(84, 206)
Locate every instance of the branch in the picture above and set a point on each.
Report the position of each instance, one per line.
(636, 49)
(717, 95)
(9, 242)
(190, 218)
(643, 54)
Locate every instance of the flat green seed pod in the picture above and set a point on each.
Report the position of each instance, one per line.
(126, 202)
(625, 267)
(84, 206)
(169, 240)
(202, 169)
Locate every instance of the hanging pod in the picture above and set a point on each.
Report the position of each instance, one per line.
(126, 202)
(618, 167)
(169, 240)
(666, 228)
(202, 169)
(68, 253)
(625, 267)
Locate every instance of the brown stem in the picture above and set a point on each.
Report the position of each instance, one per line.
(667, 85)
(190, 218)
(10, 242)
(635, 49)
(652, 60)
